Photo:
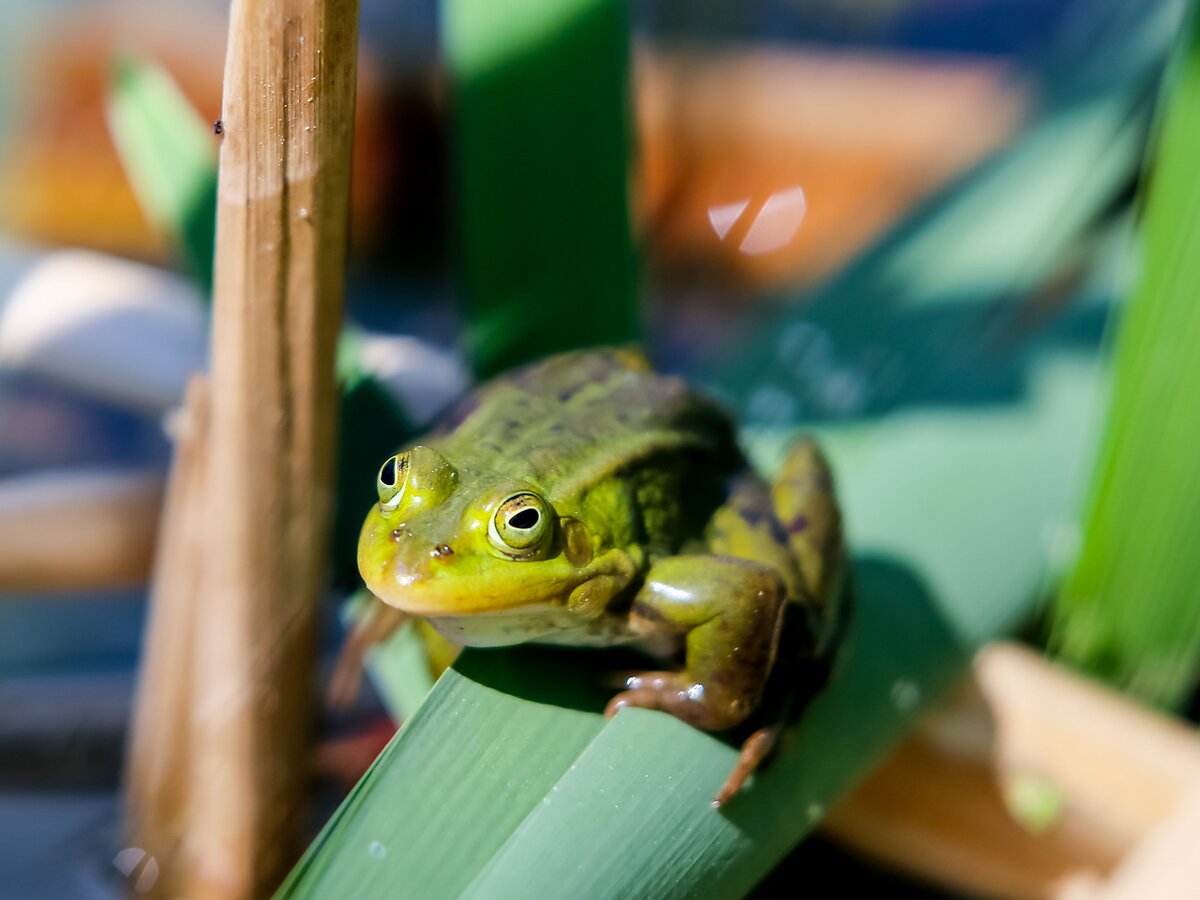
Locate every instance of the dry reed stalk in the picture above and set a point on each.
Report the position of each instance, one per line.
(157, 764)
(284, 181)
(1104, 771)
(119, 512)
(220, 753)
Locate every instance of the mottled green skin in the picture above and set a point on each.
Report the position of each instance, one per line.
(652, 527)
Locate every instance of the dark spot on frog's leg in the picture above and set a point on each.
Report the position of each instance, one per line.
(797, 524)
(647, 613)
(397, 534)
(757, 516)
(441, 550)
(778, 533)
(753, 515)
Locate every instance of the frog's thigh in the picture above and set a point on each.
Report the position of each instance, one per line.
(731, 611)
(803, 499)
(746, 527)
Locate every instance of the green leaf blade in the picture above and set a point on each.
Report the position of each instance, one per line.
(1128, 612)
(543, 140)
(436, 831)
(169, 154)
(657, 776)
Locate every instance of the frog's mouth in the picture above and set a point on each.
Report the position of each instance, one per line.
(454, 596)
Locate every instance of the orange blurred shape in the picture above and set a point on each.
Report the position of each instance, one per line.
(61, 182)
(765, 166)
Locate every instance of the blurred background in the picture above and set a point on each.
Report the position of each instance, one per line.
(907, 224)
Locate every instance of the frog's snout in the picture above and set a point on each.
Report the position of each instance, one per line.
(394, 557)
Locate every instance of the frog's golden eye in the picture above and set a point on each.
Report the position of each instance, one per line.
(390, 483)
(521, 524)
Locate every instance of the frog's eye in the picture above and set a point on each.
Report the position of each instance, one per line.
(521, 524)
(390, 483)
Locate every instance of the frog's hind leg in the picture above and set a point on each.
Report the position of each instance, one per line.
(794, 527)
(803, 500)
(730, 606)
(730, 612)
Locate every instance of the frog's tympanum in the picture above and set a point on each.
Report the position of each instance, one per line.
(588, 500)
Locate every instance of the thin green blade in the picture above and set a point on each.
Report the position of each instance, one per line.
(542, 145)
(1130, 611)
(169, 154)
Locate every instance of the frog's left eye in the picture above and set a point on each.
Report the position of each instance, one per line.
(521, 524)
(390, 483)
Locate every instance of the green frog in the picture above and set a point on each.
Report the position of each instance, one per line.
(588, 500)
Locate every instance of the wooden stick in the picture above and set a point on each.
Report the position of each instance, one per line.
(157, 766)
(947, 805)
(111, 517)
(280, 263)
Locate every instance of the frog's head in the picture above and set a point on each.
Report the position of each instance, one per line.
(448, 544)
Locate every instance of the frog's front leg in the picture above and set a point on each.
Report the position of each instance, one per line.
(731, 611)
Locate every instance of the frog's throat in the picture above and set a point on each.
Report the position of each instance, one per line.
(452, 597)
(548, 623)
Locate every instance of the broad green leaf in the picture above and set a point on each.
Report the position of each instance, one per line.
(542, 138)
(169, 154)
(1129, 610)
(437, 831)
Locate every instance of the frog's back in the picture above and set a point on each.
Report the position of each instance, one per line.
(570, 421)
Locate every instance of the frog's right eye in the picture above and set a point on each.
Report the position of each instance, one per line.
(390, 483)
(521, 525)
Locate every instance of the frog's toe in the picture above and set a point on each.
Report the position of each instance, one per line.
(674, 693)
(755, 749)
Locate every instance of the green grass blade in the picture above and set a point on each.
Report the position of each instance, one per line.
(169, 154)
(1129, 611)
(433, 834)
(542, 142)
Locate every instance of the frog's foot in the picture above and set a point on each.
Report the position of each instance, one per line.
(376, 625)
(675, 693)
(755, 749)
(729, 612)
(670, 692)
